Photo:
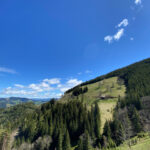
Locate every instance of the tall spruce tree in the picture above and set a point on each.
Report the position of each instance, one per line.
(97, 121)
(136, 121)
(87, 142)
(60, 140)
(80, 145)
(107, 130)
(66, 141)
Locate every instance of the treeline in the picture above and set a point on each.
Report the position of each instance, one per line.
(67, 124)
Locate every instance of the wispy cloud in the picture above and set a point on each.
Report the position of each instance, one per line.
(7, 70)
(123, 23)
(115, 37)
(19, 85)
(110, 38)
(52, 81)
(69, 84)
(119, 34)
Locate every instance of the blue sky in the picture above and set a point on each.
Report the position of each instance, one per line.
(49, 46)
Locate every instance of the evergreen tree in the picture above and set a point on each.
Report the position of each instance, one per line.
(107, 130)
(66, 141)
(80, 145)
(136, 121)
(59, 142)
(118, 134)
(87, 142)
(97, 121)
(50, 126)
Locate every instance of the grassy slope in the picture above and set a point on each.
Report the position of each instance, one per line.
(142, 144)
(106, 87)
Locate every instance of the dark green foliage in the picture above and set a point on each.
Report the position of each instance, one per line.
(78, 90)
(87, 142)
(117, 132)
(97, 121)
(12, 117)
(60, 140)
(84, 143)
(80, 145)
(66, 141)
(135, 118)
(107, 136)
(107, 130)
(85, 89)
(64, 122)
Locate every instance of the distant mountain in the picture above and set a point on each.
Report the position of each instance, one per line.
(11, 101)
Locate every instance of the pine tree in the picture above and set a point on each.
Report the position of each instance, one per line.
(97, 121)
(59, 144)
(86, 142)
(50, 126)
(66, 141)
(136, 121)
(80, 144)
(107, 130)
(118, 133)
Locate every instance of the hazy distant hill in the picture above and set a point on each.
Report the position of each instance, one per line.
(11, 101)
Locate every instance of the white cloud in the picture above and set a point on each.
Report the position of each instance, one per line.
(108, 38)
(137, 2)
(35, 87)
(7, 70)
(119, 34)
(64, 89)
(115, 37)
(73, 82)
(40, 87)
(123, 23)
(48, 88)
(69, 84)
(11, 91)
(52, 81)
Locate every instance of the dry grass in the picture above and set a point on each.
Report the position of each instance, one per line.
(106, 108)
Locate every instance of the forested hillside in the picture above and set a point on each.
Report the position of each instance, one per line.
(101, 113)
(136, 77)
(11, 118)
